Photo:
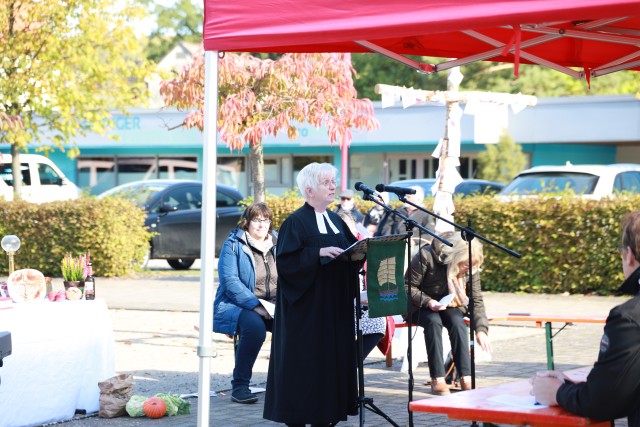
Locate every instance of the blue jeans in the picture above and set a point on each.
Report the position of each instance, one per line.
(252, 331)
(432, 322)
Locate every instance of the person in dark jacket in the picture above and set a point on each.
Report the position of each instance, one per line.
(373, 217)
(612, 388)
(435, 272)
(312, 375)
(393, 224)
(347, 205)
(247, 273)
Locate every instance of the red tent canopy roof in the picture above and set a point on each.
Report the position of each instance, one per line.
(589, 34)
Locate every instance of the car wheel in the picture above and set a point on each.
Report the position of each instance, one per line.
(181, 263)
(145, 260)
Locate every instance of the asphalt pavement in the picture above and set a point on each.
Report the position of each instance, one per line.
(518, 352)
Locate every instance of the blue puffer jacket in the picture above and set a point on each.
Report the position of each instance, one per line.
(237, 274)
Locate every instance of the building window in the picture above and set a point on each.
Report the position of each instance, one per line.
(301, 161)
(468, 167)
(231, 171)
(97, 174)
(102, 173)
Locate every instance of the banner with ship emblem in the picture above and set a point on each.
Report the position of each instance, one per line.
(385, 278)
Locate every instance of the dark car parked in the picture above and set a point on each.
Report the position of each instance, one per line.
(468, 187)
(174, 213)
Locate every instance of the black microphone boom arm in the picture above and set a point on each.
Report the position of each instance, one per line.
(400, 191)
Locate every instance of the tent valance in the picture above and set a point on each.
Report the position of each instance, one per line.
(595, 36)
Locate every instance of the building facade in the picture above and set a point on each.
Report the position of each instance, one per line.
(151, 144)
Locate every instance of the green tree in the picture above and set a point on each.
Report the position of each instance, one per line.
(502, 161)
(373, 68)
(181, 21)
(260, 97)
(544, 82)
(63, 67)
(488, 76)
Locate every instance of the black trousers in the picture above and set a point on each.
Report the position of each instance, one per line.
(432, 323)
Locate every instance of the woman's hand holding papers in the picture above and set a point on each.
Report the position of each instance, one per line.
(262, 312)
(330, 251)
(436, 306)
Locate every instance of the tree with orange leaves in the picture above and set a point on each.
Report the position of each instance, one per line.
(260, 97)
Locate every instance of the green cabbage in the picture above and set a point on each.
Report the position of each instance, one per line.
(134, 406)
(175, 404)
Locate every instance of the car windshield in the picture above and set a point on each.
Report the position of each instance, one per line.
(552, 182)
(139, 194)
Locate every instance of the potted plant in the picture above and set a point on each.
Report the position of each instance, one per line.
(73, 269)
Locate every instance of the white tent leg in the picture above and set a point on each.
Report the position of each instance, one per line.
(208, 233)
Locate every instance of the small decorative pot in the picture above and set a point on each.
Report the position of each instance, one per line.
(75, 284)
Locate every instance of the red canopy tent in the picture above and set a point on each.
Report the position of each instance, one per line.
(599, 36)
(594, 36)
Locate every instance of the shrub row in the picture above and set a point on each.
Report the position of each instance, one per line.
(112, 230)
(567, 244)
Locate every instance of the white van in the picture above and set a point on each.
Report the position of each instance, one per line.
(42, 180)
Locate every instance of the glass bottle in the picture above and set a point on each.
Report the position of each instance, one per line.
(89, 281)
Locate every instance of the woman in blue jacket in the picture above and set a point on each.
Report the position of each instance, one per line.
(247, 274)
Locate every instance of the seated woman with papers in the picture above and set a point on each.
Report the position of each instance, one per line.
(248, 282)
(438, 278)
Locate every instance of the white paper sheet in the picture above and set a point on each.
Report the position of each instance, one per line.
(446, 299)
(269, 306)
(527, 402)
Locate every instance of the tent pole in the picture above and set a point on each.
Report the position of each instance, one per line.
(208, 234)
(344, 168)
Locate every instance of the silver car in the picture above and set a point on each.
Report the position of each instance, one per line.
(588, 181)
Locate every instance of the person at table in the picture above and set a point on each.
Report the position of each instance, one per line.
(612, 388)
(393, 224)
(435, 272)
(312, 368)
(247, 273)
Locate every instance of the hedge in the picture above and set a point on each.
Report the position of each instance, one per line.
(567, 244)
(111, 229)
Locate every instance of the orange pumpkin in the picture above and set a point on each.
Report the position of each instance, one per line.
(154, 407)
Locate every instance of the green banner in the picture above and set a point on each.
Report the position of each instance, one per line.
(385, 278)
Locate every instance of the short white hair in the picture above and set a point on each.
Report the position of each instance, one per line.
(311, 175)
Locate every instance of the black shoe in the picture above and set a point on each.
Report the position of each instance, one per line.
(244, 396)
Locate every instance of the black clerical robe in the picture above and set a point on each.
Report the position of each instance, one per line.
(312, 369)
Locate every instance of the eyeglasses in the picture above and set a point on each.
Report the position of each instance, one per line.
(329, 183)
(261, 221)
(345, 198)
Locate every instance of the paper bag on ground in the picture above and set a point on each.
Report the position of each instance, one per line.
(114, 395)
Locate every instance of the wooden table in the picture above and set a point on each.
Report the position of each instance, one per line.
(489, 406)
(548, 319)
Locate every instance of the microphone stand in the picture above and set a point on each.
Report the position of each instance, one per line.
(409, 223)
(467, 234)
(363, 401)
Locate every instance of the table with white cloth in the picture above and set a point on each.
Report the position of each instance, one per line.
(60, 351)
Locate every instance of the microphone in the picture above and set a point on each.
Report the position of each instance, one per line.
(366, 190)
(400, 191)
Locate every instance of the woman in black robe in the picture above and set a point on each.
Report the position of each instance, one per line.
(312, 369)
